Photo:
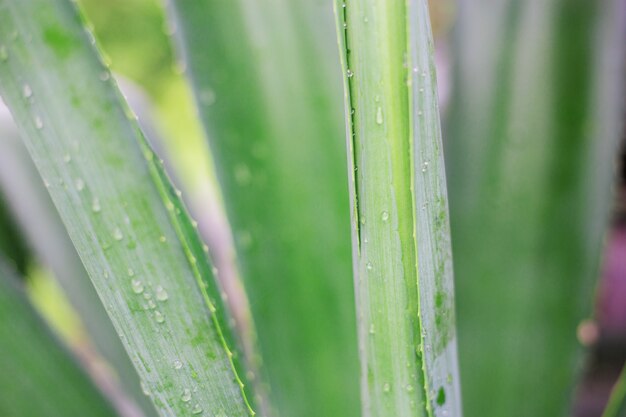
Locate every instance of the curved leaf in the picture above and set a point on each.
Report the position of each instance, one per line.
(135, 239)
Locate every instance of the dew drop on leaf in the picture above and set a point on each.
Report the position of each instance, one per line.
(104, 75)
(384, 216)
(117, 234)
(137, 286)
(178, 364)
(185, 396)
(161, 294)
(242, 174)
(38, 123)
(197, 409)
(159, 317)
(144, 388)
(379, 115)
(95, 205)
(386, 387)
(27, 92)
(207, 97)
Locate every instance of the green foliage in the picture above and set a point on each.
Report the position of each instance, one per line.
(38, 377)
(534, 125)
(267, 84)
(41, 227)
(127, 223)
(617, 402)
(400, 226)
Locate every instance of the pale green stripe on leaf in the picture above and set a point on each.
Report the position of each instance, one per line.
(400, 216)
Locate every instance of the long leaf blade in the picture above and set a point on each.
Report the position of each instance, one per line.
(616, 406)
(531, 139)
(401, 235)
(127, 223)
(33, 210)
(32, 363)
(268, 92)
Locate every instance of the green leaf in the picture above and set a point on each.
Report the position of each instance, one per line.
(267, 83)
(616, 406)
(12, 245)
(37, 218)
(531, 143)
(401, 234)
(127, 223)
(38, 377)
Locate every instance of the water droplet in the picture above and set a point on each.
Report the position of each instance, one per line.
(379, 115)
(242, 174)
(38, 123)
(194, 224)
(207, 97)
(350, 73)
(144, 388)
(196, 409)
(365, 19)
(159, 317)
(386, 387)
(105, 75)
(205, 248)
(178, 364)
(95, 205)
(80, 184)
(245, 239)
(372, 329)
(151, 303)
(161, 294)
(67, 158)
(137, 286)
(185, 396)
(409, 388)
(384, 216)
(4, 54)
(117, 234)
(369, 266)
(27, 92)
(169, 205)
(425, 166)
(162, 239)
(131, 272)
